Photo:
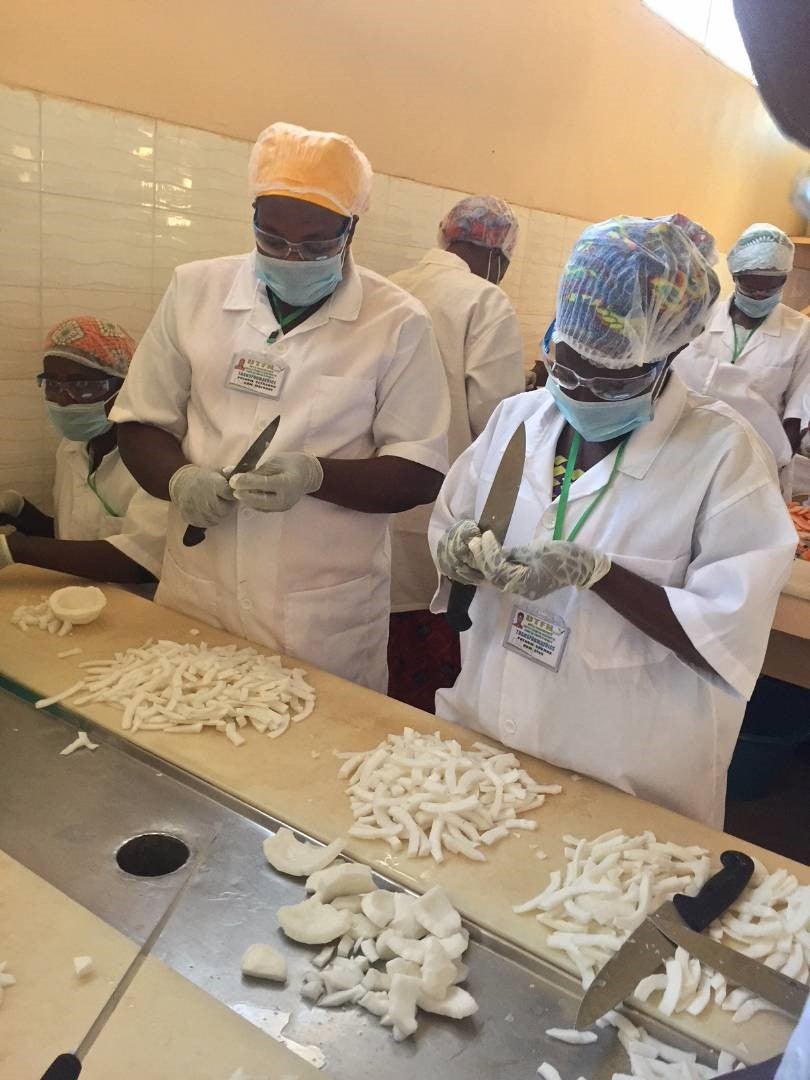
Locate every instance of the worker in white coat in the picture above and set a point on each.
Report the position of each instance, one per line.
(622, 625)
(296, 555)
(104, 525)
(755, 351)
(479, 339)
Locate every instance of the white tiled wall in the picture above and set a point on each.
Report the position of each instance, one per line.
(97, 207)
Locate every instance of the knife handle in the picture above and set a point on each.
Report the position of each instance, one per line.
(718, 893)
(65, 1067)
(458, 606)
(193, 535)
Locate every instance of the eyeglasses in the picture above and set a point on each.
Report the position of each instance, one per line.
(79, 390)
(308, 251)
(606, 388)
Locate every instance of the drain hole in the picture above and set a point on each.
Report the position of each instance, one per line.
(152, 855)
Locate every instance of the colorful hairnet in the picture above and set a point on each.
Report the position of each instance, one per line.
(482, 220)
(762, 247)
(96, 343)
(317, 166)
(633, 291)
(700, 237)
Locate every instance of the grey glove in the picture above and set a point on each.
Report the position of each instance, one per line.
(539, 569)
(202, 496)
(279, 482)
(11, 503)
(453, 556)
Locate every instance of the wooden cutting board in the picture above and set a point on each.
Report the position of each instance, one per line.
(165, 1028)
(50, 1010)
(294, 778)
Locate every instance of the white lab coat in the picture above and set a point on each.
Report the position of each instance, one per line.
(770, 378)
(480, 343)
(694, 507)
(363, 378)
(118, 511)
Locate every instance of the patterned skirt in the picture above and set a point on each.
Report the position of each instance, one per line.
(423, 656)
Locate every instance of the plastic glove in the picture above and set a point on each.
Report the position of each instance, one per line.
(6, 558)
(539, 569)
(453, 555)
(279, 482)
(202, 496)
(11, 503)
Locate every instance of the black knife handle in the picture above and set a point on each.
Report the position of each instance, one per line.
(458, 606)
(193, 535)
(65, 1067)
(718, 893)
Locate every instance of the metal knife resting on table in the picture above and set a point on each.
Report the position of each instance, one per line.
(495, 517)
(250, 459)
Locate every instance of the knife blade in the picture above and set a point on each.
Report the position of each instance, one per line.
(777, 988)
(250, 459)
(69, 1066)
(496, 515)
(647, 948)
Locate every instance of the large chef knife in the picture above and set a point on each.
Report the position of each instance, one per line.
(250, 459)
(785, 993)
(646, 949)
(69, 1066)
(496, 516)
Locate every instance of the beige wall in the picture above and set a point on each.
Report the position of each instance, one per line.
(580, 107)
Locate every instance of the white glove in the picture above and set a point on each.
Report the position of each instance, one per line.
(453, 556)
(11, 503)
(6, 558)
(201, 495)
(279, 482)
(539, 569)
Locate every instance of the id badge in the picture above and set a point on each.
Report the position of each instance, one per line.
(538, 637)
(256, 373)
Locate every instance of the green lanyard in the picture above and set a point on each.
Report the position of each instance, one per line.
(740, 345)
(571, 464)
(92, 485)
(283, 320)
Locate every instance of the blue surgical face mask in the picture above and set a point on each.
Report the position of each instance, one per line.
(598, 421)
(756, 309)
(297, 283)
(79, 423)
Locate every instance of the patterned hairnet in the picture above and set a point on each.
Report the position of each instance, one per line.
(96, 343)
(633, 291)
(700, 237)
(482, 220)
(315, 166)
(762, 247)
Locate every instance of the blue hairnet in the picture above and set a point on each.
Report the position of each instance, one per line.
(633, 291)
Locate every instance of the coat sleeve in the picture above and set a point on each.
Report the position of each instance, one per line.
(742, 554)
(158, 384)
(493, 360)
(799, 387)
(143, 531)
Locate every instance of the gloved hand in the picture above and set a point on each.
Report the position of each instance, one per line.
(6, 558)
(279, 482)
(804, 445)
(202, 496)
(539, 569)
(453, 553)
(11, 503)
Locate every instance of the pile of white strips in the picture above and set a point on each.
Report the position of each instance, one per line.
(430, 795)
(40, 617)
(165, 686)
(416, 943)
(612, 883)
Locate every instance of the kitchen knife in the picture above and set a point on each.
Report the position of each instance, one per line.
(785, 993)
(496, 516)
(646, 949)
(69, 1066)
(250, 459)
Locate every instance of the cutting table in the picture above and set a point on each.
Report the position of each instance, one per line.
(293, 780)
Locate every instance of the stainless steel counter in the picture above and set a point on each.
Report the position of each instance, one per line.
(65, 818)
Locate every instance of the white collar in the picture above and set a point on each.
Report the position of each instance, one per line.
(440, 257)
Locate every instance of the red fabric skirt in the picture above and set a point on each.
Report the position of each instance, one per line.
(423, 656)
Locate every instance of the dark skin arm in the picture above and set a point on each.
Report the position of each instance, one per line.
(793, 430)
(383, 485)
(30, 521)
(94, 559)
